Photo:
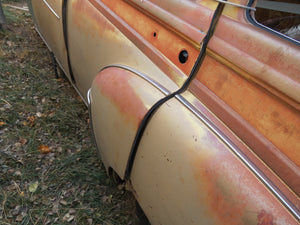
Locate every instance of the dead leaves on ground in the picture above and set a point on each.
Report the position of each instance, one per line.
(49, 169)
(44, 149)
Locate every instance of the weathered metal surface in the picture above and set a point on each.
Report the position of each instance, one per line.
(122, 100)
(102, 44)
(273, 118)
(229, 78)
(184, 174)
(51, 28)
(248, 87)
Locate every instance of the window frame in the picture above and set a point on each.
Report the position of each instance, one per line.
(251, 18)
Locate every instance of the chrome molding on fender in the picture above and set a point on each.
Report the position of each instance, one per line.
(236, 5)
(51, 9)
(88, 97)
(145, 77)
(209, 124)
(250, 165)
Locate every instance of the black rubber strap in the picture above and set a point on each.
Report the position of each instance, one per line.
(154, 108)
(65, 30)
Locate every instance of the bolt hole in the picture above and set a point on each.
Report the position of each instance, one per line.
(183, 56)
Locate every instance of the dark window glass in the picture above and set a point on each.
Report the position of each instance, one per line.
(280, 15)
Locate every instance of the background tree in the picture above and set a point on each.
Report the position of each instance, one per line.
(2, 17)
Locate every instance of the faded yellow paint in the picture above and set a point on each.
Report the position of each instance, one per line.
(229, 10)
(121, 105)
(51, 29)
(97, 45)
(183, 174)
(162, 39)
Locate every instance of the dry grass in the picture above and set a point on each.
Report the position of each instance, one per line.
(49, 169)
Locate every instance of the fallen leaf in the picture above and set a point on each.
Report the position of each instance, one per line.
(33, 187)
(90, 221)
(44, 149)
(9, 43)
(18, 173)
(63, 202)
(72, 211)
(2, 123)
(19, 218)
(38, 114)
(55, 207)
(68, 217)
(107, 198)
(23, 141)
(51, 114)
(31, 121)
(108, 223)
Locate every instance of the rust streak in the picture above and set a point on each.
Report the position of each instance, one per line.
(274, 119)
(168, 42)
(114, 84)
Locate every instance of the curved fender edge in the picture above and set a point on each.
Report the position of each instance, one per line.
(119, 99)
(184, 169)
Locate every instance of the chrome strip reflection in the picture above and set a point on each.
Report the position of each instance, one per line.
(88, 96)
(259, 174)
(237, 5)
(145, 77)
(245, 160)
(51, 9)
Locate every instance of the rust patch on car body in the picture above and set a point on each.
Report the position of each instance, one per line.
(272, 118)
(89, 20)
(231, 192)
(156, 39)
(265, 218)
(115, 84)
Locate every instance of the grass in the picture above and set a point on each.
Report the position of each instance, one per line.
(50, 172)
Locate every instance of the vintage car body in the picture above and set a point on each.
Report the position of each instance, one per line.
(218, 145)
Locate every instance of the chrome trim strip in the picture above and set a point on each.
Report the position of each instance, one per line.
(51, 9)
(259, 174)
(237, 5)
(43, 39)
(88, 96)
(256, 171)
(78, 92)
(145, 77)
(72, 83)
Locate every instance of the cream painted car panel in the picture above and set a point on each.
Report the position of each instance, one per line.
(184, 174)
(51, 29)
(119, 100)
(92, 48)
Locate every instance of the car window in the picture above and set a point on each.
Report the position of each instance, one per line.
(281, 16)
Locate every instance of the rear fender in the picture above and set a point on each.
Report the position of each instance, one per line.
(119, 99)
